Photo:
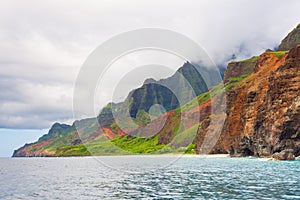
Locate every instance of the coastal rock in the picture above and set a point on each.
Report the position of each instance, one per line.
(287, 154)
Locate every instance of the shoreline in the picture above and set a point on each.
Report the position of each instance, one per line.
(151, 156)
(135, 155)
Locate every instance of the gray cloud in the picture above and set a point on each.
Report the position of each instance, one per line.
(44, 44)
(28, 104)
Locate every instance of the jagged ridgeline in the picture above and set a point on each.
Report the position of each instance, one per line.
(184, 85)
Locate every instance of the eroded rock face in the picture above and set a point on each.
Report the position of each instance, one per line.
(265, 116)
(236, 69)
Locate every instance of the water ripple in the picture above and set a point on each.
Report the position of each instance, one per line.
(188, 178)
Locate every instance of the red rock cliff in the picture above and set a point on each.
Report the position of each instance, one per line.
(263, 111)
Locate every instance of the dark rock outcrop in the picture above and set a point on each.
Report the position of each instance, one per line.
(287, 154)
(291, 40)
(237, 69)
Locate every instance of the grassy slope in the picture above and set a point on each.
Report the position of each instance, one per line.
(277, 53)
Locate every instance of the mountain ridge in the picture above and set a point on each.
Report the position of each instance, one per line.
(170, 92)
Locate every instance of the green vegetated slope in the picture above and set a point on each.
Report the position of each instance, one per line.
(277, 53)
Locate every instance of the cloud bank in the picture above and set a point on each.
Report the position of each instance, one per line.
(44, 44)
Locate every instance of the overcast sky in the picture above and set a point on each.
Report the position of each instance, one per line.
(44, 44)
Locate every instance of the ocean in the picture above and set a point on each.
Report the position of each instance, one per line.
(149, 177)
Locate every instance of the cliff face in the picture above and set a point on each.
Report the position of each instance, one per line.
(263, 110)
(238, 69)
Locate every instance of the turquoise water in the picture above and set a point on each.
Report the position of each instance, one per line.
(146, 177)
